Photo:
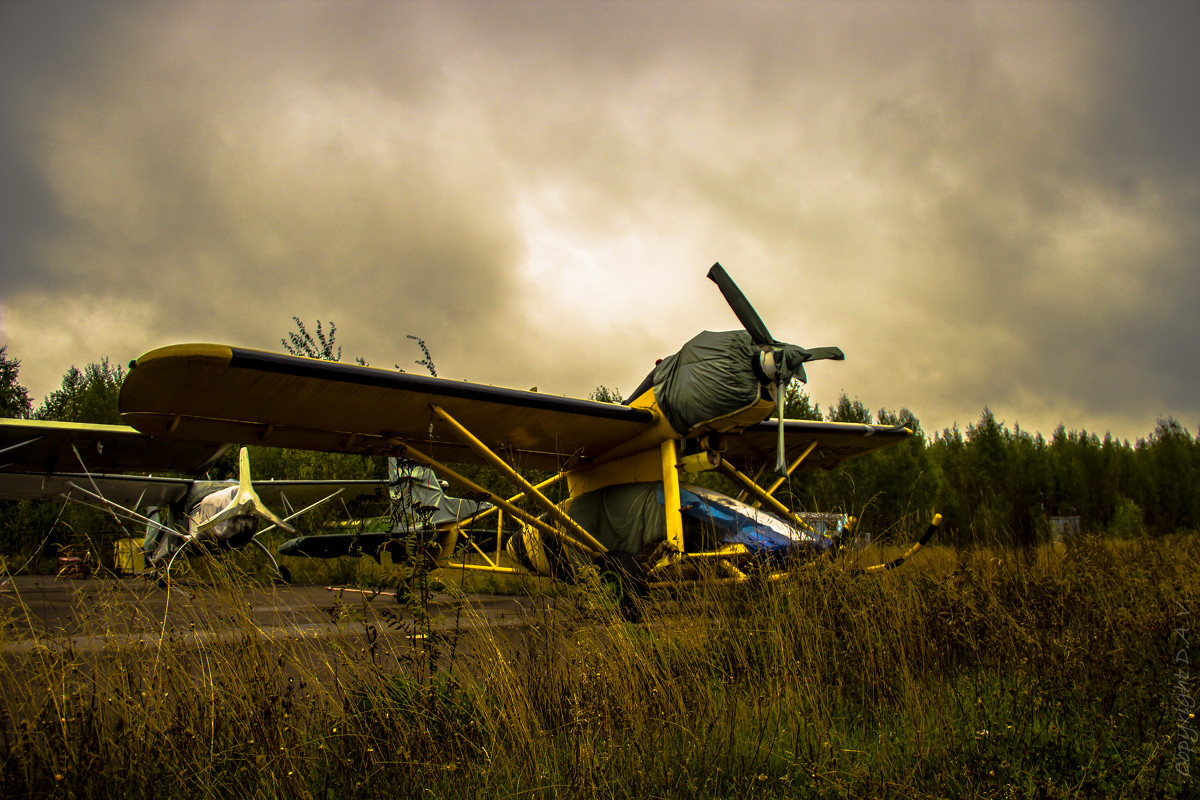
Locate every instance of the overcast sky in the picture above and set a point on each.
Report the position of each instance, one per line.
(982, 203)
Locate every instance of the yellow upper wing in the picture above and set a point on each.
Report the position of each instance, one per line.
(212, 392)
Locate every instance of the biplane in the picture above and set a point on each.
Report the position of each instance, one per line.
(628, 514)
(90, 464)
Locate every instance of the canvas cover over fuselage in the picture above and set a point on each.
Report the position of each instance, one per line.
(630, 517)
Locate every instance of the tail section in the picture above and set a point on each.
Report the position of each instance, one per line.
(245, 501)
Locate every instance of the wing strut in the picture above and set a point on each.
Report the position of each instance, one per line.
(761, 495)
(799, 459)
(519, 513)
(671, 502)
(514, 477)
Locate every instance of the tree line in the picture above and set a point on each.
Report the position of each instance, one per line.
(999, 485)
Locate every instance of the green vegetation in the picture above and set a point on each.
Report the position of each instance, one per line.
(302, 343)
(996, 486)
(87, 395)
(1035, 673)
(14, 398)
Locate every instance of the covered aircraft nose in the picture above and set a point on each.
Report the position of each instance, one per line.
(233, 533)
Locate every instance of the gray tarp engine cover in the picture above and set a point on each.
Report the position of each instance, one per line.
(160, 541)
(714, 375)
(711, 376)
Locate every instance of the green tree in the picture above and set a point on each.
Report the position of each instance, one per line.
(603, 394)
(301, 343)
(29, 527)
(1171, 462)
(426, 362)
(847, 410)
(900, 481)
(14, 398)
(798, 405)
(87, 395)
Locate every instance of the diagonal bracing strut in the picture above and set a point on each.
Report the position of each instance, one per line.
(514, 477)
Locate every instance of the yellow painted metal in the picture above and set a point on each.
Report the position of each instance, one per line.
(739, 420)
(668, 561)
(703, 461)
(645, 466)
(736, 421)
(725, 552)
(514, 477)
(743, 495)
(521, 514)
(648, 439)
(670, 479)
(216, 352)
(496, 509)
(485, 568)
(730, 581)
(696, 584)
(937, 520)
(484, 555)
(129, 556)
(315, 405)
(499, 512)
(732, 571)
(761, 495)
(672, 560)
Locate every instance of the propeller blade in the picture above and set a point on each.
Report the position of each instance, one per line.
(791, 359)
(745, 312)
(823, 353)
(780, 465)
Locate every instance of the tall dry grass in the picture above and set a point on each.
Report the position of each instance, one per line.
(979, 673)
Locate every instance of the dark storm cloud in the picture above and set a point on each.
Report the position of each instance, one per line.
(33, 42)
(232, 167)
(982, 203)
(1071, 239)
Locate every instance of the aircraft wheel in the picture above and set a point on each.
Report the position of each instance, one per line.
(623, 578)
(285, 575)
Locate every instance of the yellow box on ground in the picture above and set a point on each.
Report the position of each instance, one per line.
(128, 556)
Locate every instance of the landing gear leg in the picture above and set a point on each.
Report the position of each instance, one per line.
(284, 575)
